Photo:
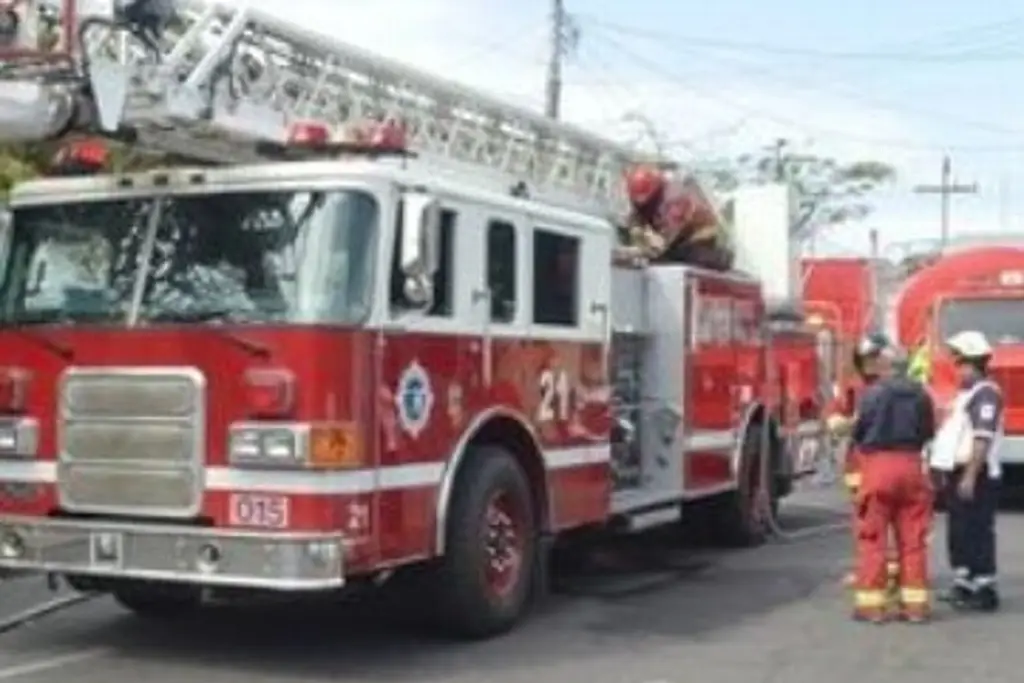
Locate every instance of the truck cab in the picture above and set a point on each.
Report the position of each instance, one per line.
(979, 289)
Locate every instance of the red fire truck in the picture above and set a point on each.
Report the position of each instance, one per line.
(974, 288)
(295, 375)
(839, 297)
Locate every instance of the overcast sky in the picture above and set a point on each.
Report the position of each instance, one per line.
(896, 81)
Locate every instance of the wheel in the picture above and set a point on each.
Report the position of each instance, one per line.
(737, 521)
(485, 578)
(159, 602)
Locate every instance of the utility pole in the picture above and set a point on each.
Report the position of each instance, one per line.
(563, 40)
(946, 189)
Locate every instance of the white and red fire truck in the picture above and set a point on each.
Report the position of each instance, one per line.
(293, 375)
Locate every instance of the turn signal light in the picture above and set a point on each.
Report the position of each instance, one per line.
(269, 392)
(14, 384)
(335, 447)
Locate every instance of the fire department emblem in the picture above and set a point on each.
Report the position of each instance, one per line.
(414, 399)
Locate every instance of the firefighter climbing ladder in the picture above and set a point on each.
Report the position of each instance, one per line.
(219, 78)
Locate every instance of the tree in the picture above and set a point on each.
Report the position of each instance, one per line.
(829, 192)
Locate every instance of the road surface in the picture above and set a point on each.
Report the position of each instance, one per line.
(776, 613)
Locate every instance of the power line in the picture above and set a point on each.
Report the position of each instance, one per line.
(846, 93)
(761, 113)
(765, 48)
(946, 189)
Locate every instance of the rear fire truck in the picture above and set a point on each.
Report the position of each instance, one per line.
(293, 375)
(974, 288)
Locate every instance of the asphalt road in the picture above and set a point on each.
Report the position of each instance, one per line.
(776, 613)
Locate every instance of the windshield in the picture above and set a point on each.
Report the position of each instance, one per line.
(245, 257)
(1001, 320)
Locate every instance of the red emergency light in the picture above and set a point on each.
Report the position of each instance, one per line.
(315, 135)
(80, 157)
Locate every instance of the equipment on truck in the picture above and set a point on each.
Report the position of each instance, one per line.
(408, 346)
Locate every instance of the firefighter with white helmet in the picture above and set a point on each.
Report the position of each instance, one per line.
(966, 450)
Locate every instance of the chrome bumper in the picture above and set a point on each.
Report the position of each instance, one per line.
(207, 557)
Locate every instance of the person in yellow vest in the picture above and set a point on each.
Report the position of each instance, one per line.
(920, 367)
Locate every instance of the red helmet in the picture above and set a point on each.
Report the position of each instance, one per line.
(643, 183)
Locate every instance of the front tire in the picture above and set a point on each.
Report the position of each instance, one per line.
(486, 576)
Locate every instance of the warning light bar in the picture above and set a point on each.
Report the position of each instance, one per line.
(372, 139)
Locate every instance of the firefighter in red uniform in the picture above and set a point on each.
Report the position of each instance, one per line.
(895, 419)
(869, 366)
(672, 221)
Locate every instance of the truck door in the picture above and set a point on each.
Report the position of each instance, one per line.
(418, 369)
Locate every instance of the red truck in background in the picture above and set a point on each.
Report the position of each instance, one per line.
(839, 296)
(979, 288)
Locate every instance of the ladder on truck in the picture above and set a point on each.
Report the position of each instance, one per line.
(216, 79)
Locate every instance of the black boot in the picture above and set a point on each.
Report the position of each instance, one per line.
(958, 596)
(985, 599)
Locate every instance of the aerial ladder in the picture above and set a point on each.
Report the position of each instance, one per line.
(206, 81)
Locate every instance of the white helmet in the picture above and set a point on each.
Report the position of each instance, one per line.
(970, 344)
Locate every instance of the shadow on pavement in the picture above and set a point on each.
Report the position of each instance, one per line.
(650, 586)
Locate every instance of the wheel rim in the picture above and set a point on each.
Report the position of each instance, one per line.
(504, 545)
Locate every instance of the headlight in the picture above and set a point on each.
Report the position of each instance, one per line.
(267, 445)
(19, 437)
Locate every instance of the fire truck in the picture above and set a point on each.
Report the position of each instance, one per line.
(299, 364)
(970, 288)
(839, 296)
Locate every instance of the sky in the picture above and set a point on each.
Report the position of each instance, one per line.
(900, 82)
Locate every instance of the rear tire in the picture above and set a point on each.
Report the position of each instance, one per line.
(486, 576)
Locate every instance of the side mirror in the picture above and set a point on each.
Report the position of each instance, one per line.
(421, 220)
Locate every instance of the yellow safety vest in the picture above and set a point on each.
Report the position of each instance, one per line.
(920, 367)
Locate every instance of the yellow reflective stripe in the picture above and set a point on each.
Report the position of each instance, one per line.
(915, 596)
(868, 599)
(852, 480)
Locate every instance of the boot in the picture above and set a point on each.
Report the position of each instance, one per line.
(985, 599)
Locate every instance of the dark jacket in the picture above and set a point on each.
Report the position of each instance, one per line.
(894, 415)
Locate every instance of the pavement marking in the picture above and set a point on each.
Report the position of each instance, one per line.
(57, 662)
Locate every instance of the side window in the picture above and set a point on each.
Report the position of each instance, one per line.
(444, 277)
(556, 278)
(443, 281)
(501, 270)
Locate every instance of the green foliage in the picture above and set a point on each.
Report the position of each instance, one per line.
(829, 192)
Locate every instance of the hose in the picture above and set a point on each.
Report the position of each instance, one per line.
(763, 497)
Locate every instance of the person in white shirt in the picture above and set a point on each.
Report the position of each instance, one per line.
(966, 449)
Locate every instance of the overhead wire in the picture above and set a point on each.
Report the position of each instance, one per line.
(846, 93)
(784, 50)
(760, 112)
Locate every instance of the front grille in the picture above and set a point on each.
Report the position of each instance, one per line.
(131, 441)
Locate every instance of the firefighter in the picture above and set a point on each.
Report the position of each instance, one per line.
(672, 222)
(966, 449)
(869, 364)
(895, 420)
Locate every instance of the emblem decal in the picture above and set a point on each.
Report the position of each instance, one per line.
(414, 399)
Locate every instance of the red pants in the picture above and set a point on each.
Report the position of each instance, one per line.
(895, 494)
